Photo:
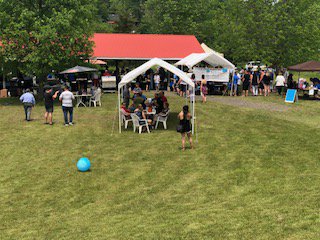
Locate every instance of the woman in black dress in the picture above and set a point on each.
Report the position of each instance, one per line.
(266, 84)
(184, 120)
(246, 83)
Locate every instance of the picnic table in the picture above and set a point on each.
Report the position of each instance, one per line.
(79, 98)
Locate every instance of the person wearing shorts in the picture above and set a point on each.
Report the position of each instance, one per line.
(48, 103)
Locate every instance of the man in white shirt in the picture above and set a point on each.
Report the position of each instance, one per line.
(280, 82)
(66, 98)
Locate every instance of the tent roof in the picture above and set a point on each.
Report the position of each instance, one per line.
(78, 69)
(310, 66)
(213, 58)
(144, 46)
(129, 77)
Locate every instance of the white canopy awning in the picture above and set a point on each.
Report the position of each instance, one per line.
(211, 57)
(129, 77)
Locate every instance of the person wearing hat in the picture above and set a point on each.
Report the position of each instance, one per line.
(28, 102)
(49, 97)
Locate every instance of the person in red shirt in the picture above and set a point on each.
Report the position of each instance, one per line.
(125, 110)
(163, 98)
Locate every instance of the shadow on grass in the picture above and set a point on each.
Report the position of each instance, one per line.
(171, 124)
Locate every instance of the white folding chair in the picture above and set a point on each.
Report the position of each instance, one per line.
(162, 119)
(124, 119)
(138, 123)
(96, 98)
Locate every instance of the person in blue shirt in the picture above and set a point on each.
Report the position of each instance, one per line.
(28, 102)
(235, 83)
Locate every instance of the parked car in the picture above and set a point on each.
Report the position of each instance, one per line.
(255, 65)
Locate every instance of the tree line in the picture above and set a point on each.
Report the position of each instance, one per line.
(41, 35)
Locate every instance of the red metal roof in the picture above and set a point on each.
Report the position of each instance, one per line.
(144, 46)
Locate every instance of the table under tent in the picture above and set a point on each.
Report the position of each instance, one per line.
(129, 77)
(218, 76)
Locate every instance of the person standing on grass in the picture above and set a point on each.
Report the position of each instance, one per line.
(266, 84)
(203, 89)
(247, 77)
(28, 102)
(66, 98)
(49, 96)
(280, 81)
(254, 82)
(235, 83)
(261, 86)
(157, 81)
(184, 121)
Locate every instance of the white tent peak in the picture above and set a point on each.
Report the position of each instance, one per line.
(210, 56)
(129, 77)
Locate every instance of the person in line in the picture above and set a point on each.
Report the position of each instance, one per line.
(290, 81)
(66, 98)
(254, 82)
(203, 89)
(261, 85)
(235, 83)
(280, 82)
(156, 81)
(184, 120)
(247, 78)
(28, 101)
(266, 84)
(49, 97)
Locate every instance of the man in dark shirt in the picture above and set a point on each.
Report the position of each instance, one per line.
(157, 101)
(49, 96)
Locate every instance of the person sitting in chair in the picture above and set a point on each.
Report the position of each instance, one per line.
(163, 113)
(126, 112)
(141, 113)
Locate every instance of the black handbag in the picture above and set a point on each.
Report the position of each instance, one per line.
(179, 128)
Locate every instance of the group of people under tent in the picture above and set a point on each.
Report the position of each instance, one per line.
(134, 101)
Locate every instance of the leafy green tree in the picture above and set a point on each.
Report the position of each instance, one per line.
(46, 34)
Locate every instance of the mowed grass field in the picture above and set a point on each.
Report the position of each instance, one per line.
(254, 174)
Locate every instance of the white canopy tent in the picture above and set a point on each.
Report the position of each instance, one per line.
(212, 58)
(129, 77)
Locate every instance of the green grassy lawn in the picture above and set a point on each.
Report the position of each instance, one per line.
(254, 174)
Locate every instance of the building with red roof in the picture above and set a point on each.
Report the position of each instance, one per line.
(144, 46)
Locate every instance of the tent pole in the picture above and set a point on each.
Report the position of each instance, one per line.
(231, 91)
(193, 110)
(119, 93)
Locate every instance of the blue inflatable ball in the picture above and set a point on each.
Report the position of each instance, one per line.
(83, 164)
